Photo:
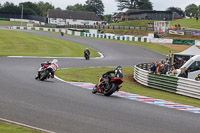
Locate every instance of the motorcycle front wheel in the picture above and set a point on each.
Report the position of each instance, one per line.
(109, 91)
(44, 75)
(94, 90)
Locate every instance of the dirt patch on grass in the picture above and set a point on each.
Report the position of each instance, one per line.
(133, 32)
(178, 48)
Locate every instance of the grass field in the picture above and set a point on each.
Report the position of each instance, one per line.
(10, 128)
(92, 75)
(161, 48)
(134, 32)
(135, 23)
(12, 23)
(187, 23)
(15, 43)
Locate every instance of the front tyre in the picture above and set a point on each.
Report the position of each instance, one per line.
(44, 75)
(111, 90)
(94, 90)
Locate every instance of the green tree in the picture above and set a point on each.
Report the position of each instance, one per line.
(58, 8)
(134, 4)
(44, 7)
(192, 8)
(77, 7)
(30, 8)
(145, 5)
(96, 6)
(177, 10)
(107, 18)
(10, 8)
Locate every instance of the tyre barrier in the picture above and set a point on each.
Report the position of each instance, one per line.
(178, 85)
(112, 36)
(86, 34)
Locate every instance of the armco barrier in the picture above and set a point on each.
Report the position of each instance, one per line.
(183, 86)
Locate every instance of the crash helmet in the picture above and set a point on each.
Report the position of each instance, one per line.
(118, 68)
(55, 61)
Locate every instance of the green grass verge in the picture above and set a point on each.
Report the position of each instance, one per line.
(2, 22)
(11, 128)
(92, 75)
(187, 23)
(152, 46)
(134, 32)
(135, 23)
(183, 37)
(15, 43)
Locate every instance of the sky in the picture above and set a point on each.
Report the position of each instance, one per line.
(111, 5)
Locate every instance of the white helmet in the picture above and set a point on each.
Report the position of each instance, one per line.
(55, 61)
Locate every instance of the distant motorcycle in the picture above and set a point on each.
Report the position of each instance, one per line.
(108, 87)
(61, 33)
(87, 56)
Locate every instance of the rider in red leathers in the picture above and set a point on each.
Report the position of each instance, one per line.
(107, 76)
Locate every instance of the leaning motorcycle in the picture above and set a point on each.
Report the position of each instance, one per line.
(87, 56)
(108, 87)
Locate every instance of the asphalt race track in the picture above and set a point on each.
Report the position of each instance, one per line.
(63, 108)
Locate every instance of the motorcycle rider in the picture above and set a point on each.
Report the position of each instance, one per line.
(117, 73)
(197, 77)
(86, 51)
(53, 64)
(107, 76)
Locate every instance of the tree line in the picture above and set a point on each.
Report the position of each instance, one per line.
(40, 8)
(97, 6)
(37, 9)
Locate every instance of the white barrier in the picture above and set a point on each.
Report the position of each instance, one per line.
(45, 29)
(159, 40)
(197, 42)
(189, 87)
(77, 34)
(37, 28)
(183, 86)
(141, 76)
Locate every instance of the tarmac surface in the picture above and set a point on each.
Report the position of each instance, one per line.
(63, 108)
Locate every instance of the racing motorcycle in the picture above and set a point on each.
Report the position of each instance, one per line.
(44, 73)
(87, 56)
(108, 86)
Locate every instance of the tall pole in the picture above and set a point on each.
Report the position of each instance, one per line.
(22, 15)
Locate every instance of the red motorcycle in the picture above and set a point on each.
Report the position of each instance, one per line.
(108, 86)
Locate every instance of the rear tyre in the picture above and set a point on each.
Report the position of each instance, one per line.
(108, 92)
